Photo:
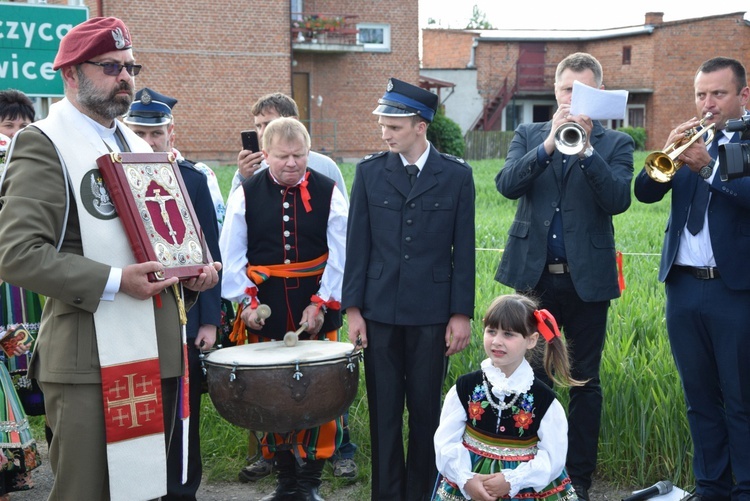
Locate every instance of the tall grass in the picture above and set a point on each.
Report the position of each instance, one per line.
(644, 436)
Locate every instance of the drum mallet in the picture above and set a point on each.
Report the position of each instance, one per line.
(263, 311)
(290, 338)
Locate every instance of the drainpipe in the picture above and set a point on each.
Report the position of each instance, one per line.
(473, 55)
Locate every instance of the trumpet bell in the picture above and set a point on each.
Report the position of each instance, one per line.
(661, 167)
(570, 138)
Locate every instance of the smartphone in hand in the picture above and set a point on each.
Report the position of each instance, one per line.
(250, 140)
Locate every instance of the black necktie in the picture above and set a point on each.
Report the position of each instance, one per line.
(700, 197)
(412, 170)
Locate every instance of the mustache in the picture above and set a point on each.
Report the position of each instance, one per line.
(123, 86)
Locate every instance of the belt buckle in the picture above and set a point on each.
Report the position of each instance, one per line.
(556, 268)
(704, 273)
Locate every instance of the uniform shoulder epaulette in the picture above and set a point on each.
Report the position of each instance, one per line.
(454, 158)
(373, 156)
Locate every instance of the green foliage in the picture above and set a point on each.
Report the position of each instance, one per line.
(638, 134)
(446, 135)
(644, 436)
(478, 20)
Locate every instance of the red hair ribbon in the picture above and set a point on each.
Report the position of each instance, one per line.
(304, 193)
(546, 325)
(620, 276)
(331, 304)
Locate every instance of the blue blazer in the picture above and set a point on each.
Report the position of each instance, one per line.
(728, 220)
(207, 309)
(410, 251)
(588, 195)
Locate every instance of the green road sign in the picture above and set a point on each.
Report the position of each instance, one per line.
(29, 38)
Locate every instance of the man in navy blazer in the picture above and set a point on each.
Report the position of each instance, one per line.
(150, 117)
(561, 245)
(408, 285)
(704, 265)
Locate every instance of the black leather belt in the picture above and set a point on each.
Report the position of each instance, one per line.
(558, 268)
(700, 272)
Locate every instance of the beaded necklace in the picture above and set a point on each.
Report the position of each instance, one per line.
(498, 406)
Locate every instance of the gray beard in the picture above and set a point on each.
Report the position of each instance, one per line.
(108, 107)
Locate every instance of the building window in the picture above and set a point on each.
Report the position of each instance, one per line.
(374, 37)
(636, 116)
(626, 52)
(298, 7)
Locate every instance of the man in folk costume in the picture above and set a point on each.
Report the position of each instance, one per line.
(283, 243)
(109, 353)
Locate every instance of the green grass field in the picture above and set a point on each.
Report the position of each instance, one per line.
(644, 435)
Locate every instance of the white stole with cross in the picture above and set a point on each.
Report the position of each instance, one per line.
(125, 327)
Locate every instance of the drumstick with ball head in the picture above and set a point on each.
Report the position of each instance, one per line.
(263, 311)
(291, 338)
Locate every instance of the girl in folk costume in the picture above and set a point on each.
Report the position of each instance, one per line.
(502, 432)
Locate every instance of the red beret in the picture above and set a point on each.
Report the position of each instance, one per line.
(92, 38)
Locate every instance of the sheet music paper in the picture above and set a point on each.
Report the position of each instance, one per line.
(598, 104)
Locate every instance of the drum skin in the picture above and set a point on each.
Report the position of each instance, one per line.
(278, 389)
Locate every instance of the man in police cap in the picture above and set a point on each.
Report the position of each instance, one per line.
(150, 117)
(408, 285)
(105, 326)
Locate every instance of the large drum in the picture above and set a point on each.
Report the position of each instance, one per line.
(276, 388)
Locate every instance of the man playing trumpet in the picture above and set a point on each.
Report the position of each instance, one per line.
(707, 280)
(561, 245)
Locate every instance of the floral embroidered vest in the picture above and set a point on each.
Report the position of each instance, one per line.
(520, 421)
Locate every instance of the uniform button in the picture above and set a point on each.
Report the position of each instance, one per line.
(286, 218)
(546, 223)
(406, 257)
(287, 261)
(286, 233)
(408, 239)
(409, 222)
(437, 204)
(385, 202)
(554, 204)
(557, 209)
(287, 247)
(286, 205)
(413, 205)
(78, 300)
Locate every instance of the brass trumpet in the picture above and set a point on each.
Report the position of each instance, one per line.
(661, 166)
(570, 138)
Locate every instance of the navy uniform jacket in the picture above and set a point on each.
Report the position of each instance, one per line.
(592, 195)
(728, 220)
(207, 309)
(410, 250)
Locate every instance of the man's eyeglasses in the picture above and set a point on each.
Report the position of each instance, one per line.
(114, 69)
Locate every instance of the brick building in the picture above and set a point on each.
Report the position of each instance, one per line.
(217, 58)
(514, 69)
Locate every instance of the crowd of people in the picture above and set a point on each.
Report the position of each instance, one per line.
(396, 256)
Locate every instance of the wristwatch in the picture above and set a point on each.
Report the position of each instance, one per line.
(707, 169)
(586, 153)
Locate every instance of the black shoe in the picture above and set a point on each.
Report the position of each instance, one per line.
(283, 492)
(582, 492)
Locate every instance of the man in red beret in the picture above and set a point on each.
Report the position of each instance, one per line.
(109, 350)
